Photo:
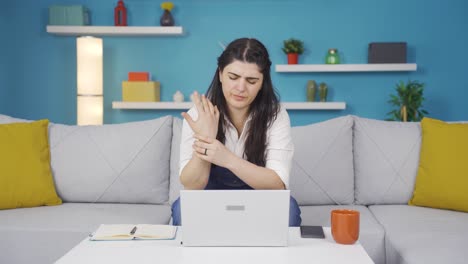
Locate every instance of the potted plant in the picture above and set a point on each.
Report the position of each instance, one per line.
(293, 48)
(408, 101)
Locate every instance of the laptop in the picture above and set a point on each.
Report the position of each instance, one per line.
(235, 217)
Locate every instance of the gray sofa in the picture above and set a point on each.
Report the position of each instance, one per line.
(127, 173)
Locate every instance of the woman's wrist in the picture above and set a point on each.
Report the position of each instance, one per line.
(200, 161)
(232, 162)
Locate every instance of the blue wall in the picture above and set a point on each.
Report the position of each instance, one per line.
(4, 59)
(42, 75)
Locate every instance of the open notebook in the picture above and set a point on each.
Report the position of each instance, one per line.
(134, 232)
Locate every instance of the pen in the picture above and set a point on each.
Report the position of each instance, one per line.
(133, 231)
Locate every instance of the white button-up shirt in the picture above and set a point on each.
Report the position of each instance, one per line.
(279, 150)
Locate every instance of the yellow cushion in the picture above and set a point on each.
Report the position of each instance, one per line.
(25, 174)
(442, 178)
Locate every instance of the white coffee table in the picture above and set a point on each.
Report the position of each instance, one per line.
(299, 251)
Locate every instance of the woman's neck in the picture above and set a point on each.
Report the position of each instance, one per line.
(238, 118)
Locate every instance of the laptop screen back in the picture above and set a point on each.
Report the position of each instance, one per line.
(235, 217)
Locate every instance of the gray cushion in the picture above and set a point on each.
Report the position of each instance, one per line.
(37, 246)
(44, 234)
(371, 234)
(419, 235)
(82, 217)
(322, 168)
(175, 185)
(4, 119)
(386, 158)
(122, 163)
(119, 163)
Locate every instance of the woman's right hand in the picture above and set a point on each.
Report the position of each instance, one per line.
(208, 117)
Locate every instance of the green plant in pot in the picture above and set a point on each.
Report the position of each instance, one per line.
(408, 101)
(293, 48)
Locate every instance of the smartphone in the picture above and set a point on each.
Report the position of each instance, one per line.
(312, 232)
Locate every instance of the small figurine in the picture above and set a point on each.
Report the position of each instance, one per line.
(178, 97)
(120, 14)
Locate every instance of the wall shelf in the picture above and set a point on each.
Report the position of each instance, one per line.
(187, 105)
(377, 67)
(314, 105)
(114, 31)
(151, 105)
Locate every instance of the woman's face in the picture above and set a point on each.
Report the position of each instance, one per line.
(241, 82)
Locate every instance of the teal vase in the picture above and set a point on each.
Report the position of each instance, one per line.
(332, 57)
(323, 92)
(311, 90)
(167, 20)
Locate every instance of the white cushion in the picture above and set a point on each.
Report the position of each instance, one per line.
(322, 169)
(386, 158)
(118, 163)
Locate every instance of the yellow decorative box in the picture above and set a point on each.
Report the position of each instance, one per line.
(141, 91)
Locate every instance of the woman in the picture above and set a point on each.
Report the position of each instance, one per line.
(237, 137)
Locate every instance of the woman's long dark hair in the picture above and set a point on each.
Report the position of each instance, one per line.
(265, 106)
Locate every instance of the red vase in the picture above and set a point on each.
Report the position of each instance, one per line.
(120, 14)
(293, 58)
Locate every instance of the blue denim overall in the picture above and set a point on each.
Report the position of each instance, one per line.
(221, 179)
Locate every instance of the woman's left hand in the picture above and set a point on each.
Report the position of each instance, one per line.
(208, 116)
(212, 150)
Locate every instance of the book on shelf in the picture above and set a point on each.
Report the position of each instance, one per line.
(134, 232)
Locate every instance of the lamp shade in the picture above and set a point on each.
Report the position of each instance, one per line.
(89, 53)
(90, 110)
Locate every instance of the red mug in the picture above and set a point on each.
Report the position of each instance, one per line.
(345, 226)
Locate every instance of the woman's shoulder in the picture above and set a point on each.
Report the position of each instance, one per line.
(282, 118)
(282, 114)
